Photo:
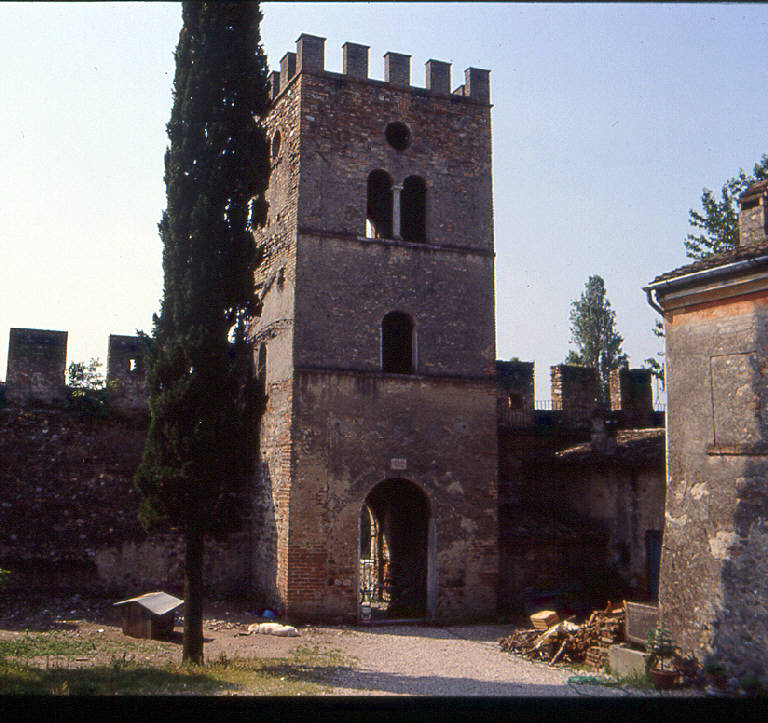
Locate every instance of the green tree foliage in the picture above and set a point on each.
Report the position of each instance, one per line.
(593, 331)
(652, 363)
(204, 402)
(88, 392)
(718, 219)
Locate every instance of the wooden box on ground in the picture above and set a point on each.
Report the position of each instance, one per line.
(149, 616)
(544, 619)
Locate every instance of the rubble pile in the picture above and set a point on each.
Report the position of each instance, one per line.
(567, 642)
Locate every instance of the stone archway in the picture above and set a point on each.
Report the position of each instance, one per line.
(395, 551)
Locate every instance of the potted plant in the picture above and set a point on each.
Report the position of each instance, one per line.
(715, 675)
(660, 647)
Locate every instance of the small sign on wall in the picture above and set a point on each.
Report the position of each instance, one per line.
(398, 464)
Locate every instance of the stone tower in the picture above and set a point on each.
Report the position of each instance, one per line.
(377, 488)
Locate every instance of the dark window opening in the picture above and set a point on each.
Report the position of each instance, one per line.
(275, 145)
(397, 343)
(413, 210)
(653, 561)
(398, 136)
(379, 207)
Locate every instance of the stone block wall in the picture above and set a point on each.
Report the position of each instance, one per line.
(357, 430)
(126, 369)
(272, 338)
(631, 395)
(36, 365)
(449, 149)
(326, 287)
(574, 392)
(515, 398)
(68, 512)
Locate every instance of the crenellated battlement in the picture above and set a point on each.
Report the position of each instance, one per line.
(310, 57)
(36, 373)
(573, 403)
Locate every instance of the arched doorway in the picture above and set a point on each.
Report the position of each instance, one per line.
(394, 551)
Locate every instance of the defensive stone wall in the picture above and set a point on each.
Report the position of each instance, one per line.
(36, 360)
(68, 511)
(36, 370)
(574, 397)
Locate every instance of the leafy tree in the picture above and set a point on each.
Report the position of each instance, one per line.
(88, 391)
(718, 220)
(204, 402)
(652, 363)
(593, 331)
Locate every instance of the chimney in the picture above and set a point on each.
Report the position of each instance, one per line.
(397, 69)
(753, 216)
(355, 60)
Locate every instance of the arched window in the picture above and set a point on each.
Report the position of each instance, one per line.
(397, 343)
(413, 211)
(379, 207)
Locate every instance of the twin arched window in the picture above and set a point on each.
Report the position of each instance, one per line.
(396, 211)
(397, 346)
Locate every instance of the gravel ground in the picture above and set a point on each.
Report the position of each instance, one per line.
(385, 660)
(463, 661)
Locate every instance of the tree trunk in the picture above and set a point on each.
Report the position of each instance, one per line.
(193, 599)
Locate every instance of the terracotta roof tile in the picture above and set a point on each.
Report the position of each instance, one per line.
(742, 253)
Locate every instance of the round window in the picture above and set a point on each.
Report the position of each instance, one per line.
(398, 136)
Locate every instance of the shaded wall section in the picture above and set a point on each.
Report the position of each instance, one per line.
(68, 511)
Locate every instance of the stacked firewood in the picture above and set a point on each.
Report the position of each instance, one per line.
(567, 642)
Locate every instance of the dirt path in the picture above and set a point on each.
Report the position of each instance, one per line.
(416, 660)
(379, 660)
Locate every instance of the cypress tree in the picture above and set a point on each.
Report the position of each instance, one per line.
(204, 403)
(593, 331)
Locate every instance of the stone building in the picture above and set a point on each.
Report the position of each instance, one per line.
(376, 342)
(581, 490)
(714, 568)
(401, 466)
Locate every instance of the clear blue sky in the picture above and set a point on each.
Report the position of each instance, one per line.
(607, 122)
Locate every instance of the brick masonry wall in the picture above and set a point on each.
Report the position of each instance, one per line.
(276, 280)
(68, 511)
(349, 428)
(343, 121)
(515, 398)
(126, 369)
(714, 579)
(36, 361)
(631, 395)
(574, 391)
(360, 282)
(326, 316)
